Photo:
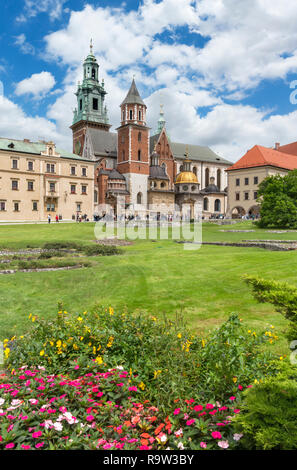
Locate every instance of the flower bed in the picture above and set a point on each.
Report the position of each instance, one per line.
(103, 410)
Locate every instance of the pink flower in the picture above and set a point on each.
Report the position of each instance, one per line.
(176, 411)
(90, 418)
(25, 447)
(190, 422)
(236, 411)
(198, 408)
(216, 435)
(40, 444)
(76, 367)
(240, 387)
(209, 406)
(223, 444)
(9, 446)
(237, 437)
(36, 434)
(232, 398)
(132, 389)
(203, 445)
(120, 385)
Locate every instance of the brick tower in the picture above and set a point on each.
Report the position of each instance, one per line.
(133, 146)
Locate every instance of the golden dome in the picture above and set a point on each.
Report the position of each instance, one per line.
(186, 177)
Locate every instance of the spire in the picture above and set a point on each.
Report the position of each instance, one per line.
(133, 96)
(161, 120)
(91, 46)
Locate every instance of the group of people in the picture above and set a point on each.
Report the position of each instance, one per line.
(49, 218)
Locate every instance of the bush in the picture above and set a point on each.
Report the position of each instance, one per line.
(269, 414)
(103, 250)
(282, 295)
(66, 245)
(164, 357)
(51, 254)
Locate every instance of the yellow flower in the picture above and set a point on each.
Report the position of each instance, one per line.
(256, 381)
(111, 311)
(141, 385)
(234, 379)
(59, 343)
(30, 316)
(33, 319)
(6, 352)
(154, 318)
(99, 360)
(79, 319)
(110, 341)
(203, 342)
(41, 353)
(156, 373)
(179, 335)
(281, 358)
(75, 346)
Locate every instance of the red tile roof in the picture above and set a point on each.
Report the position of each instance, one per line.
(263, 156)
(289, 148)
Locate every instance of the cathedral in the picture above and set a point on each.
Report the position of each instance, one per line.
(136, 167)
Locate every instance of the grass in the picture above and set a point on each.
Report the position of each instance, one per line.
(158, 277)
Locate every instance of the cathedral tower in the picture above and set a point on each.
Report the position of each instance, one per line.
(133, 146)
(90, 111)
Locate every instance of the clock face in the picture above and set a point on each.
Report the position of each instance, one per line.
(77, 147)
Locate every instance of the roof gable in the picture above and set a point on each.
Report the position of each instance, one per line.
(262, 156)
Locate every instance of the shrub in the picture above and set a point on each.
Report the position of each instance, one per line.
(51, 254)
(165, 358)
(282, 295)
(269, 414)
(66, 245)
(103, 250)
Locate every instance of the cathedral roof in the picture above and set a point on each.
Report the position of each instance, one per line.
(104, 143)
(133, 96)
(158, 172)
(115, 175)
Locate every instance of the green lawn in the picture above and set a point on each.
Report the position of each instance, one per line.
(160, 277)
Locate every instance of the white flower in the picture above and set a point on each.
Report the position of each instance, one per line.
(180, 446)
(223, 444)
(237, 437)
(58, 426)
(163, 438)
(48, 423)
(2, 401)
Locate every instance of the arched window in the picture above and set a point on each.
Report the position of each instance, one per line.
(93, 73)
(195, 170)
(95, 196)
(207, 177)
(162, 184)
(217, 205)
(181, 168)
(205, 204)
(131, 114)
(139, 198)
(139, 155)
(139, 136)
(139, 115)
(123, 118)
(50, 151)
(123, 155)
(219, 179)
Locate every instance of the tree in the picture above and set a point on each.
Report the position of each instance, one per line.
(278, 197)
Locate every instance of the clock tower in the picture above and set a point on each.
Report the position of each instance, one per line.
(91, 112)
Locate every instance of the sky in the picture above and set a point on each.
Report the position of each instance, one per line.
(223, 69)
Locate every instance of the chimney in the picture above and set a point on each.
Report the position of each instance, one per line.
(276, 147)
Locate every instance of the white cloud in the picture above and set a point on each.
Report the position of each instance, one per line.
(32, 8)
(24, 45)
(37, 85)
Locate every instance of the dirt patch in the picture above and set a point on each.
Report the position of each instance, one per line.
(113, 242)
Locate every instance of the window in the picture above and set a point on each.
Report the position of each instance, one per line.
(193, 188)
(255, 194)
(123, 117)
(123, 155)
(139, 198)
(139, 115)
(78, 207)
(195, 170)
(72, 189)
(93, 73)
(217, 205)
(256, 180)
(15, 164)
(2, 206)
(162, 184)
(139, 155)
(50, 207)
(16, 207)
(237, 196)
(50, 168)
(15, 185)
(131, 114)
(84, 189)
(84, 172)
(95, 104)
(95, 196)
(246, 181)
(206, 177)
(237, 182)
(30, 166)
(52, 187)
(30, 186)
(34, 206)
(73, 170)
(205, 204)
(139, 136)
(219, 179)
(185, 188)
(246, 196)
(80, 105)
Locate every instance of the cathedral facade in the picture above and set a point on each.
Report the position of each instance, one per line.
(139, 169)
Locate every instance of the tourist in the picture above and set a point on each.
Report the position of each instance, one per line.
(57, 218)
(49, 219)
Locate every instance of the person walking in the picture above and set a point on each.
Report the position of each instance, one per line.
(57, 218)
(49, 219)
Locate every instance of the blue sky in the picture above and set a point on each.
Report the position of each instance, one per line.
(222, 68)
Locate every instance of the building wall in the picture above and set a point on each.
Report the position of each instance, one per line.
(249, 187)
(65, 203)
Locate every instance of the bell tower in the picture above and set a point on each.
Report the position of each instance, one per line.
(91, 111)
(133, 145)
